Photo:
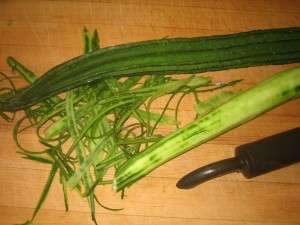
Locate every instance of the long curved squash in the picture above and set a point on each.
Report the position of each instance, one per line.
(164, 56)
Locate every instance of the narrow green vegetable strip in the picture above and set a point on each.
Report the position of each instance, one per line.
(27, 74)
(270, 93)
(45, 190)
(164, 119)
(63, 182)
(164, 56)
(86, 41)
(95, 42)
(6, 117)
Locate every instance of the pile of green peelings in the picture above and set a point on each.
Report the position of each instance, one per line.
(94, 128)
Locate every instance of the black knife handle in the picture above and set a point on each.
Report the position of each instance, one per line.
(270, 153)
(252, 159)
(209, 172)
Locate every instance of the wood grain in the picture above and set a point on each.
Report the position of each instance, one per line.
(42, 34)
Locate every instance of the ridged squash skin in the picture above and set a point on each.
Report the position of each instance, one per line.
(163, 56)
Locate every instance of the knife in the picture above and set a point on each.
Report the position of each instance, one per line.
(251, 159)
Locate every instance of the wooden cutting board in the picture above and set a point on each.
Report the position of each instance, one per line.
(42, 34)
